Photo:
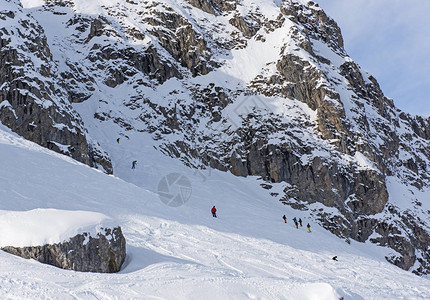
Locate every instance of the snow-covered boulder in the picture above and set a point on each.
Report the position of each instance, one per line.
(50, 236)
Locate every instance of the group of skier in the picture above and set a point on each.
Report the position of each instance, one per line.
(296, 223)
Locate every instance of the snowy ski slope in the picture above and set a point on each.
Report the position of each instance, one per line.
(182, 252)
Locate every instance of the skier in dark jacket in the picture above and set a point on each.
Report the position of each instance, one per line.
(295, 222)
(133, 164)
(300, 221)
(309, 227)
(213, 211)
(117, 140)
(285, 218)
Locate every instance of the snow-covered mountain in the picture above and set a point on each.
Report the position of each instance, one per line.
(262, 88)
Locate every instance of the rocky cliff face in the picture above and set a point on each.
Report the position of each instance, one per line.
(103, 254)
(252, 87)
(33, 102)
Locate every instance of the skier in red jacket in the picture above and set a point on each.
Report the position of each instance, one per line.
(213, 210)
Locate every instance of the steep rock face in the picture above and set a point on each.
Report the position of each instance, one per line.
(177, 35)
(214, 6)
(314, 23)
(103, 254)
(32, 103)
(248, 25)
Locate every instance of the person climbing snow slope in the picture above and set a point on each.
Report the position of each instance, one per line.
(213, 211)
(285, 218)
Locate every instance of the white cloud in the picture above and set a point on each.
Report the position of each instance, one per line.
(390, 39)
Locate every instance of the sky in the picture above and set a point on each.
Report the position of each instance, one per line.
(391, 40)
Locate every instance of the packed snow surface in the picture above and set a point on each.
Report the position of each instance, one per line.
(180, 252)
(38, 227)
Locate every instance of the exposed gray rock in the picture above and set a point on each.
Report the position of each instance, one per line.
(248, 27)
(315, 23)
(149, 63)
(177, 35)
(32, 103)
(214, 7)
(103, 254)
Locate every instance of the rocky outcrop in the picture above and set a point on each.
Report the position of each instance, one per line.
(177, 35)
(149, 63)
(32, 103)
(315, 22)
(215, 7)
(104, 253)
(247, 26)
